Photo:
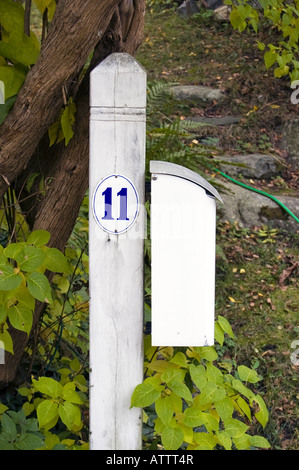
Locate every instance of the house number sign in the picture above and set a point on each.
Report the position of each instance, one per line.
(115, 204)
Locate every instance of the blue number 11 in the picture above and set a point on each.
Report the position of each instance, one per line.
(108, 204)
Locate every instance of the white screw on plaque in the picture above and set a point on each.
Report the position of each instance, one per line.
(183, 231)
(116, 241)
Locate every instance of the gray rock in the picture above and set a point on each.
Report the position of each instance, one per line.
(221, 14)
(213, 4)
(257, 166)
(216, 121)
(291, 142)
(188, 8)
(250, 209)
(197, 94)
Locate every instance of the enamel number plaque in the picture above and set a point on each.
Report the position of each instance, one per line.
(115, 204)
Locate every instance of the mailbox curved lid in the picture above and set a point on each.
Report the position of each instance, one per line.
(167, 168)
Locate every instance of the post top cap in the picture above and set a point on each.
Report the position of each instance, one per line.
(118, 82)
(119, 62)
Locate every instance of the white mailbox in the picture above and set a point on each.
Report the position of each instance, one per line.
(183, 237)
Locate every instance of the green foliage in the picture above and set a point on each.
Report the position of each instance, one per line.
(280, 15)
(161, 5)
(18, 52)
(201, 403)
(63, 127)
(19, 433)
(194, 400)
(170, 138)
(59, 406)
(23, 281)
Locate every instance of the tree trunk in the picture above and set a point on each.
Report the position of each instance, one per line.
(75, 30)
(21, 132)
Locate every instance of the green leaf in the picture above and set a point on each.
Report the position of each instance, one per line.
(270, 58)
(13, 78)
(262, 415)
(244, 407)
(30, 258)
(144, 394)
(224, 439)
(194, 417)
(205, 441)
(67, 121)
(5, 445)
(259, 441)
(219, 334)
(42, 4)
(164, 409)
(243, 442)
(5, 108)
(70, 415)
(236, 20)
(56, 261)
(15, 45)
(237, 385)
(207, 352)
(38, 238)
(47, 414)
(11, 16)
(248, 375)
(3, 408)
(69, 393)
(39, 287)
(173, 374)
(29, 441)
(211, 422)
(6, 341)
(3, 313)
(9, 279)
(225, 326)
(214, 374)
(235, 428)
(181, 390)
(198, 375)
(211, 393)
(225, 409)
(55, 132)
(20, 49)
(48, 386)
(9, 429)
(172, 438)
(179, 359)
(49, 4)
(13, 249)
(21, 317)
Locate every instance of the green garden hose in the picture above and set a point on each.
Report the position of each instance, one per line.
(260, 192)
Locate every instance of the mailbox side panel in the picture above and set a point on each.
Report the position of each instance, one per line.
(183, 221)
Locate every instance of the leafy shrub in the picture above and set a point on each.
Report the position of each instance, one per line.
(281, 16)
(19, 433)
(200, 402)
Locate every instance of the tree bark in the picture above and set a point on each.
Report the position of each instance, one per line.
(76, 28)
(67, 167)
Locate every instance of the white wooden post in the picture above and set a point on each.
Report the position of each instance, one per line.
(116, 231)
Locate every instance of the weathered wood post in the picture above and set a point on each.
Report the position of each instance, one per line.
(116, 231)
